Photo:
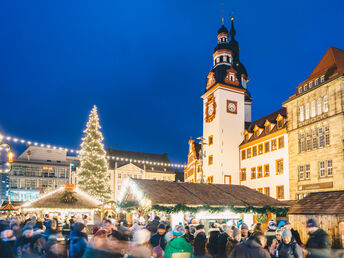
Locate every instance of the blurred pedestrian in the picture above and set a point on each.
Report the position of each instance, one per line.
(200, 242)
(318, 244)
(78, 240)
(253, 247)
(158, 239)
(178, 245)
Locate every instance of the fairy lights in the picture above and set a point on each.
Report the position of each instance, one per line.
(117, 158)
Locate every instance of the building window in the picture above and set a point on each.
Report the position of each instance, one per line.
(260, 149)
(243, 174)
(249, 153)
(327, 136)
(210, 179)
(267, 129)
(228, 179)
(307, 111)
(325, 104)
(319, 109)
(260, 190)
(210, 160)
(301, 114)
(279, 166)
(280, 192)
(267, 147)
(281, 142)
(300, 90)
(307, 171)
(329, 167)
(260, 171)
(267, 191)
(322, 78)
(310, 84)
(305, 87)
(254, 151)
(316, 82)
(246, 138)
(313, 109)
(273, 145)
(321, 141)
(308, 144)
(253, 173)
(210, 140)
(266, 170)
(243, 154)
(321, 168)
(315, 142)
(280, 124)
(256, 133)
(301, 173)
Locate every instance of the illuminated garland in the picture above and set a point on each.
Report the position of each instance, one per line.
(261, 218)
(68, 197)
(183, 208)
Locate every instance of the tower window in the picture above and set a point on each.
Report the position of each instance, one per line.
(210, 160)
(210, 140)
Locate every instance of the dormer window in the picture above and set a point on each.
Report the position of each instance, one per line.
(280, 124)
(310, 84)
(305, 87)
(246, 137)
(256, 133)
(267, 129)
(300, 90)
(322, 78)
(316, 82)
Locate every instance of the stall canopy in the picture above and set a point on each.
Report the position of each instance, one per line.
(8, 207)
(161, 194)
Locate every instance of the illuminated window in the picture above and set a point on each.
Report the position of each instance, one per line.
(301, 114)
(260, 190)
(254, 151)
(325, 104)
(267, 191)
(243, 174)
(260, 171)
(228, 179)
(273, 145)
(281, 142)
(307, 111)
(266, 170)
(249, 153)
(210, 160)
(243, 154)
(210, 179)
(280, 192)
(260, 149)
(267, 129)
(267, 147)
(280, 124)
(253, 173)
(319, 106)
(210, 140)
(279, 166)
(256, 133)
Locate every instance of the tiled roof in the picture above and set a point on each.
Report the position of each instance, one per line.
(133, 155)
(164, 192)
(320, 203)
(260, 123)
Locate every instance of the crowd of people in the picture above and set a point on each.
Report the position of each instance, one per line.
(50, 237)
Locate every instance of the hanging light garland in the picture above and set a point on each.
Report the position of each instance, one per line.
(110, 157)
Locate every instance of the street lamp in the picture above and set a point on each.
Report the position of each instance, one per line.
(202, 155)
(10, 155)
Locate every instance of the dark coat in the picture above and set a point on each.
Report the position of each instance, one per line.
(189, 238)
(221, 245)
(291, 250)
(153, 226)
(199, 244)
(296, 237)
(78, 244)
(318, 244)
(212, 244)
(248, 249)
(7, 249)
(157, 239)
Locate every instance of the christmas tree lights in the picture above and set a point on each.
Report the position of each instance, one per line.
(93, 177)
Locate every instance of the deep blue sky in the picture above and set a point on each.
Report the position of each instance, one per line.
(144, 63)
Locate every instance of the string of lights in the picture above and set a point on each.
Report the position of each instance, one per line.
(18, 140)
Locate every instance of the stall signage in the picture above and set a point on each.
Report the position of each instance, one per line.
(48, 168)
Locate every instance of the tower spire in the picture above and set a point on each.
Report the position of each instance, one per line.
(232, 31)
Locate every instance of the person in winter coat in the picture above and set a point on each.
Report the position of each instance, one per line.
(275, 243)
(158, 239)
(253, 247)
(188, 235)
(295, 233)
(222, 241)
(78, 240)
(214, 233)
(318, 244)
(24, 245)
(141, 248)
(289, 248)
(7, 241)
(178, 245)
(233, 240)
(245, 234)
(200, 242)
(153, 225)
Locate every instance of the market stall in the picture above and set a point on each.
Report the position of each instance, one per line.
(65, 202)
(205, 202)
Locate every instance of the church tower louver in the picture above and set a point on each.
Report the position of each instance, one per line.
(226, 108)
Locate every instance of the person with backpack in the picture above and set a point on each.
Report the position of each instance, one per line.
(288, 248)
(158, 239)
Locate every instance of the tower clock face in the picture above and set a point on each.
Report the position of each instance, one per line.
(232, 107)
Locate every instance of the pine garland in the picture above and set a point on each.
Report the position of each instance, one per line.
(68, 197)
(93, 177)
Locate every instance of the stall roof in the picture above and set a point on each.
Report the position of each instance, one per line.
(331, 202)
(53, 200)
(169, 193)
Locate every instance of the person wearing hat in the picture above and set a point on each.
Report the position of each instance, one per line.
(158, 239)
(140, 248)
(294, 233)
(23, 245)
(178, 245)
(288, 248)
(153, 225)
(318, 244)
(245, 234)
(233, 240)
(200, 242)
(78, 240)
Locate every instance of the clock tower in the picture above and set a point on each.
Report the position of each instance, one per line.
(226, 108)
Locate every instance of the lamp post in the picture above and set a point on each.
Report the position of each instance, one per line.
(202, 155)
(10, 155)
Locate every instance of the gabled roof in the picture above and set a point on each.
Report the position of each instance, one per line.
(261, 124)
(331, 202)
(169, 193)
(332, 63)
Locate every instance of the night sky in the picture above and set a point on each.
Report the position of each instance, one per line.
(144, 63)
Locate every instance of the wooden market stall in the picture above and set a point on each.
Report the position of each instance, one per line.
(327, 208)
(66, 201)
(203, 201)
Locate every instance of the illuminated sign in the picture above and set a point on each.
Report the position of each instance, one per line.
(24, 195)
(48, 168)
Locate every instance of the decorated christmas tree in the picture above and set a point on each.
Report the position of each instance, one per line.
(93, 176)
